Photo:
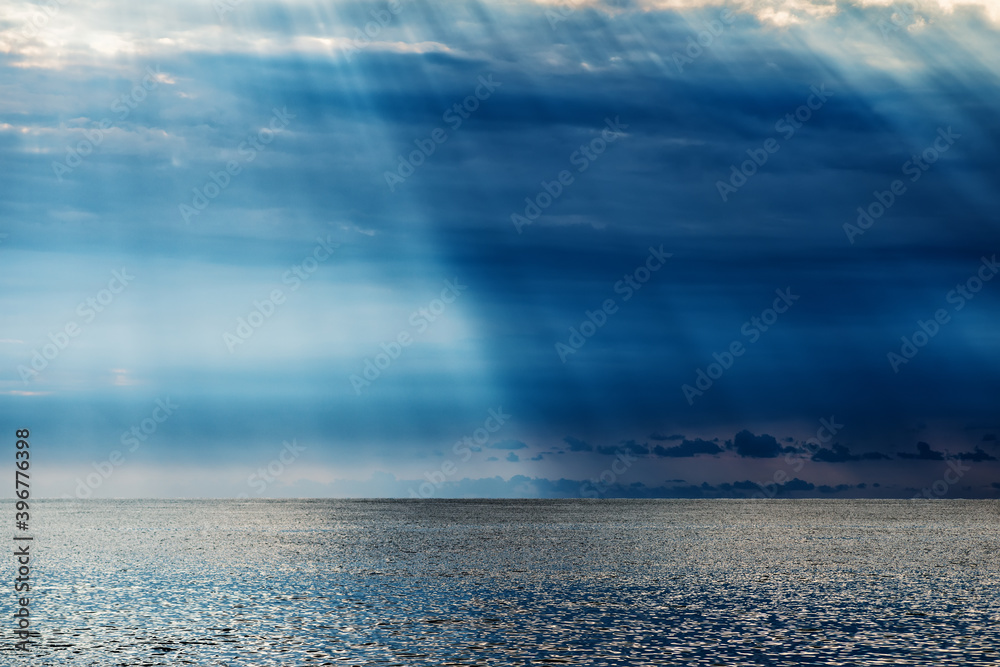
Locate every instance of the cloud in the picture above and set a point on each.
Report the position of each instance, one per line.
(924, 453)
(836, 454)
(658, 436)
(521, 486)
(783, 13)
(630, 446)
(745, 485)
(976, 456)
(577, 445)
(748, 488)
(513, 458)
(688, 448)
(840, 454)
(797, 485)
(508, 444)
(762, 446)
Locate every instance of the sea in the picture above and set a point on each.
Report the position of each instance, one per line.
(508, 582)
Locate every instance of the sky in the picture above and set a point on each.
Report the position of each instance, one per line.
(632, 248)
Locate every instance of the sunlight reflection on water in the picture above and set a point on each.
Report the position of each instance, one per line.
(514, 582)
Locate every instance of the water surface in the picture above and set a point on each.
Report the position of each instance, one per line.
(630, 582)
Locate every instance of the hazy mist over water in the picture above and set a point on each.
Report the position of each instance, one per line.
(498, 582)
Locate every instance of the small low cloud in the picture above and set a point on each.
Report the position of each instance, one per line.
(924, 453)
(976, 456)
(577, 445)
(688, 448)
(508, 444)
(748, 488)
(660, 437)
(838, 453)
(797, 485)
(513, 458)
(628, 446)
(762, 446)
